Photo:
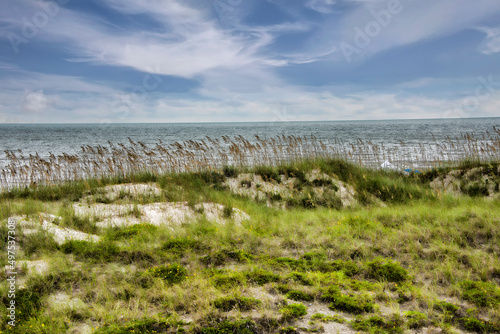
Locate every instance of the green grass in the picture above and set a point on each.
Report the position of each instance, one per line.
(351, 303)
(293, 311)
(394, 261)
(328, 318)
(103, 251)
(483, 294)
(240, 303)
(173, 273)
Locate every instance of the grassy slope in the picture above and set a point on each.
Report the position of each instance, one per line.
(385, 269)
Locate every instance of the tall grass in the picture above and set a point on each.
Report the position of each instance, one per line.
(199, 155)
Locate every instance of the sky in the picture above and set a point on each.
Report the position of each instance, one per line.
(149, 61)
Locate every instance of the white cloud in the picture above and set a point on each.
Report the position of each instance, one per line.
(491, 44)
(35, 102)
(189, 44)
(412, 22)
(322, 6)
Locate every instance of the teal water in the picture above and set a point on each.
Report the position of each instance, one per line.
(68, 138)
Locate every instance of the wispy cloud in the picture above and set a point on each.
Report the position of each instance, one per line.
(491, 44)
(411, 22)
(322, 6)
(188, 44)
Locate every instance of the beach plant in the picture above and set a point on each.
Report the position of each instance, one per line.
(172, 273)
(347, 302)
(240, 303)
(299, 295)
(104, 251)
(261, 276)
(387, 270)
(482, 294)
(293, 311)
(328, 318)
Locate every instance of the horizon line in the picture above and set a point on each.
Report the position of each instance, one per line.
(243, 122)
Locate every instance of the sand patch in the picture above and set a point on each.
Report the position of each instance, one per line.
(39, 267)
(62, 301)
(60, 234)
(278, 193)
(329, 327)
(163, 213)
(134, 190)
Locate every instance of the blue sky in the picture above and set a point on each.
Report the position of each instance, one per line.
(105, 61)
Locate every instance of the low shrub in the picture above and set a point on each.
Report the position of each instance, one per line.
(293, 311)
(482, 294)
(173, 273)
(377, 324)
(227, 212)
(299, 278)
(230, 171)
(476, 325)
(129, 231)
(104, 251)
(288, 330)
(267, 173)
(350, 303)
(299, 295)
(416, 319)
(261, 277)
(181, 244)
(383, 270)
(445, 307)
(228, 281)
(475, 189)
(350, 268)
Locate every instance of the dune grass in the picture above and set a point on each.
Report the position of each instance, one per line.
(403, 258)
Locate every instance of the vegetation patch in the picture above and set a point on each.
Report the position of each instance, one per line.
(416, 319)
(476, 325)
(449, 242)
(386, 270)
(228, 280)
(446, 307)
(42, 241)
(328, 318)
(104, 251)
(288, 330)
(300, 278)
(293, 311)
(482, 294)
(261, 276)
(219, 258)
(377, 324)
(350, 268)
(180, 245)
(243, 326)
(299, 295)
(226, 304)
(173, 273)
(346, 302)
(147, 326)
(115, 233)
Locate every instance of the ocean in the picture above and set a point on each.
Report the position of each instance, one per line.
(405, 137)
